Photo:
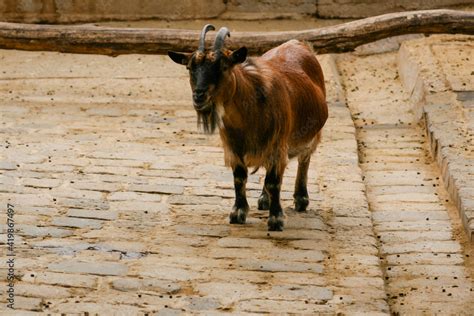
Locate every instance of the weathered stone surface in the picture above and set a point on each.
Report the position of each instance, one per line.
(236, 242)
(127, 196)
(77, 222)
(25, 304)
(7, 165)
(62, 279)
(42, 291)
(97, 268)
(132, 284)
(168, 273)
(374, 227)
(38, 231)
(278, 266)
(104, 215)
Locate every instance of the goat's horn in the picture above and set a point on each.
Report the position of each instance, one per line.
(220, 37)
(202, 38)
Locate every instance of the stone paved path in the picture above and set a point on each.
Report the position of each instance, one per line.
(122, 205)
(410, 207)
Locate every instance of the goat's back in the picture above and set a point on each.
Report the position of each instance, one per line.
(298, 68)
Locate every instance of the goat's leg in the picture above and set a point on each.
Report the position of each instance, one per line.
(264, 200)
(241, 207)
(273, 181)
(301, 191)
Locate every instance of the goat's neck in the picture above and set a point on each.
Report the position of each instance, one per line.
(238, 95)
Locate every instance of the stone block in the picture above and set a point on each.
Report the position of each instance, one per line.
(43, 231)
(61, 279)
(278, 266)
(97, 268)
(158, 286)
(42, 291)
(97, 214)
(77, 222)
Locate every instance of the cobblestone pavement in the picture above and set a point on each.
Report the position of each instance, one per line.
(121, 205)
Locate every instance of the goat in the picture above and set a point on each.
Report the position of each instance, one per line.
(267, 109)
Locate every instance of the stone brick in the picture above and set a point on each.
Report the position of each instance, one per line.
(425, 258)
(278, 266)
(7, 165)
(423, 246)
(93, 204)
(159, 286)
(276, 254)
(134, 196)
(283, 306)
(193, 199)
(61, 279)
(230, 292)
(97, 186)
(409, 216)
(39, 231)
(42, 183)
(315, 293)
(122, 246)
(42, 291)
(131, 206)
(197, 303)
(398, 237)
(103, 215)
(99, 308)
(167, 273)
(77, 222)
(26, 304)
(234, 242)
(98, 268)
(156, 188)
(425, 270)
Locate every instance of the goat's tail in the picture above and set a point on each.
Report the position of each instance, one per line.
(255, 170)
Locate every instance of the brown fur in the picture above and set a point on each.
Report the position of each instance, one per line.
(289, 81)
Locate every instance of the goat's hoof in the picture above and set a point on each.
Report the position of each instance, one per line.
(263, 202)
(301, 203)
(275, 223)
(238, 216)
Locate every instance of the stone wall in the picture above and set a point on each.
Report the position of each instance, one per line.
(68, 11)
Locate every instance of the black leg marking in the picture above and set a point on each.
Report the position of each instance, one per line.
(241, 207)
(273, 186)
(301, 191)
(264, 200)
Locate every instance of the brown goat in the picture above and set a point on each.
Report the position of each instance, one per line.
(267, 109)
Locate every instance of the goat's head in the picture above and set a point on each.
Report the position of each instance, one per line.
(207, 69)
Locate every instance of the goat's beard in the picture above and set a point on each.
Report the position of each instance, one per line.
(208, 119)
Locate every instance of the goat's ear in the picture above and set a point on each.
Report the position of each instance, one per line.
(180, 58)
(238, 56)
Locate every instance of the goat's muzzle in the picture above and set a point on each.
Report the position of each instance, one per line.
(201, 101)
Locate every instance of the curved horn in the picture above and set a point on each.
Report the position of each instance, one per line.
(220, 37)
(202, 38)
